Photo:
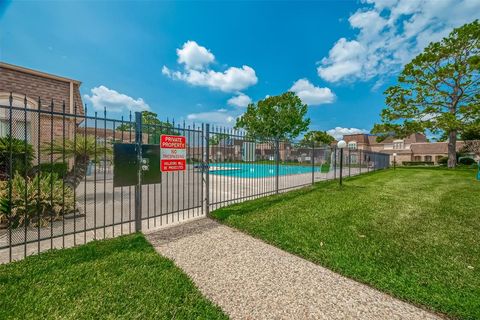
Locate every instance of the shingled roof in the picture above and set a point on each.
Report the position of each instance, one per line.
(433, 147)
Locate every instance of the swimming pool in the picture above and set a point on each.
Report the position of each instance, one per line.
(257, 170)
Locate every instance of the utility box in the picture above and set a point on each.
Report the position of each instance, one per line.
(151, 159)
(126, 166)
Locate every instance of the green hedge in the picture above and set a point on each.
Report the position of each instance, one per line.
(417, 163)
(466, 161)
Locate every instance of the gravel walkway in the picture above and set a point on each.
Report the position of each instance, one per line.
(250, 279)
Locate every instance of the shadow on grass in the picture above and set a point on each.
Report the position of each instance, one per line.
(95, 250)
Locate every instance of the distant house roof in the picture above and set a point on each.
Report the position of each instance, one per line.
(371, 139)
(433, 147)
(358, 137)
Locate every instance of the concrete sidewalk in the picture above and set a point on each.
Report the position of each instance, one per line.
(250, 279)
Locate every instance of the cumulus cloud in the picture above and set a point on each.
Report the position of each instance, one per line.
(231, 80)
(102, 97)
(221, 117)
(240, 100)
(339, 132)
(390, 34)
(194, 56)
(195, 60)
(311, 94)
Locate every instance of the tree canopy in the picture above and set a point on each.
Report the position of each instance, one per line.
(152, 126)
(215, 139)
(438, 90)
(315, 137)
(281, 117)
(471, 132)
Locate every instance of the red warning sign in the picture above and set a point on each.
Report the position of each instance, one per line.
(173, 153)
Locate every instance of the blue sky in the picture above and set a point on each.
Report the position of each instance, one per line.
(187, 60)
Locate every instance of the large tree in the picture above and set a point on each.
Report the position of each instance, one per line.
(315, 137)
(281, 117)
(438, 90)
(152, 126)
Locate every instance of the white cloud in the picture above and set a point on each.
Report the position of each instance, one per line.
(221, 117)
(194, 56)
(102, 97)
(390, 34)
(310, 94)
(231, 80)
(196, 72)
(339, 132)
(240, 100)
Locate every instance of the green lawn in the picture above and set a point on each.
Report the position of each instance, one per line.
(414, 233)
(111, 279)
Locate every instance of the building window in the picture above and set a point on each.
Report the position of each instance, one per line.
(398, 144)
(417, 158)
(428, 158)
(4, 128)
(18, 130)
(352, 145)
(353, 158)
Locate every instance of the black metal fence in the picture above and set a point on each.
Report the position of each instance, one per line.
(59, 180)
(241, 167)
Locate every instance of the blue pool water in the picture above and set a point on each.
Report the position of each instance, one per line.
(257, 170)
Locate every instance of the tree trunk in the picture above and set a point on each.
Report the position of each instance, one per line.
(452, 149)
(78, 171)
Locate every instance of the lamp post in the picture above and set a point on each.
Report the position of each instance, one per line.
(478, 172)
(394, 160)
(341, 145)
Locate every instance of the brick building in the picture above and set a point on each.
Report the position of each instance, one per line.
(35, 91)
(412, 148)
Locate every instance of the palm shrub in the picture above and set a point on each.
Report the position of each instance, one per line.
(21, 153)
(35, 200)
(82, 150)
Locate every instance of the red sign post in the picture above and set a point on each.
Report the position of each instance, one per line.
(173, 153)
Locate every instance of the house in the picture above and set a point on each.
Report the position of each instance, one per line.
(33, 94)
(415, 147)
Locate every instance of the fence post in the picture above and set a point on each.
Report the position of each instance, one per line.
(349, 162)
(360, 162)
(341, 165)
(313, 163)
(138, 186)
(206, 168)
(277, 163)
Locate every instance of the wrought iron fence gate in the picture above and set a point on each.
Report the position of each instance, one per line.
(67, 178)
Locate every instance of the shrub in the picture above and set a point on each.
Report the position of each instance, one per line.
(35, 200)
(466, 161)
(443, 161)
(22, 156)
(59, 168)
(325, 167)
(417, 163)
